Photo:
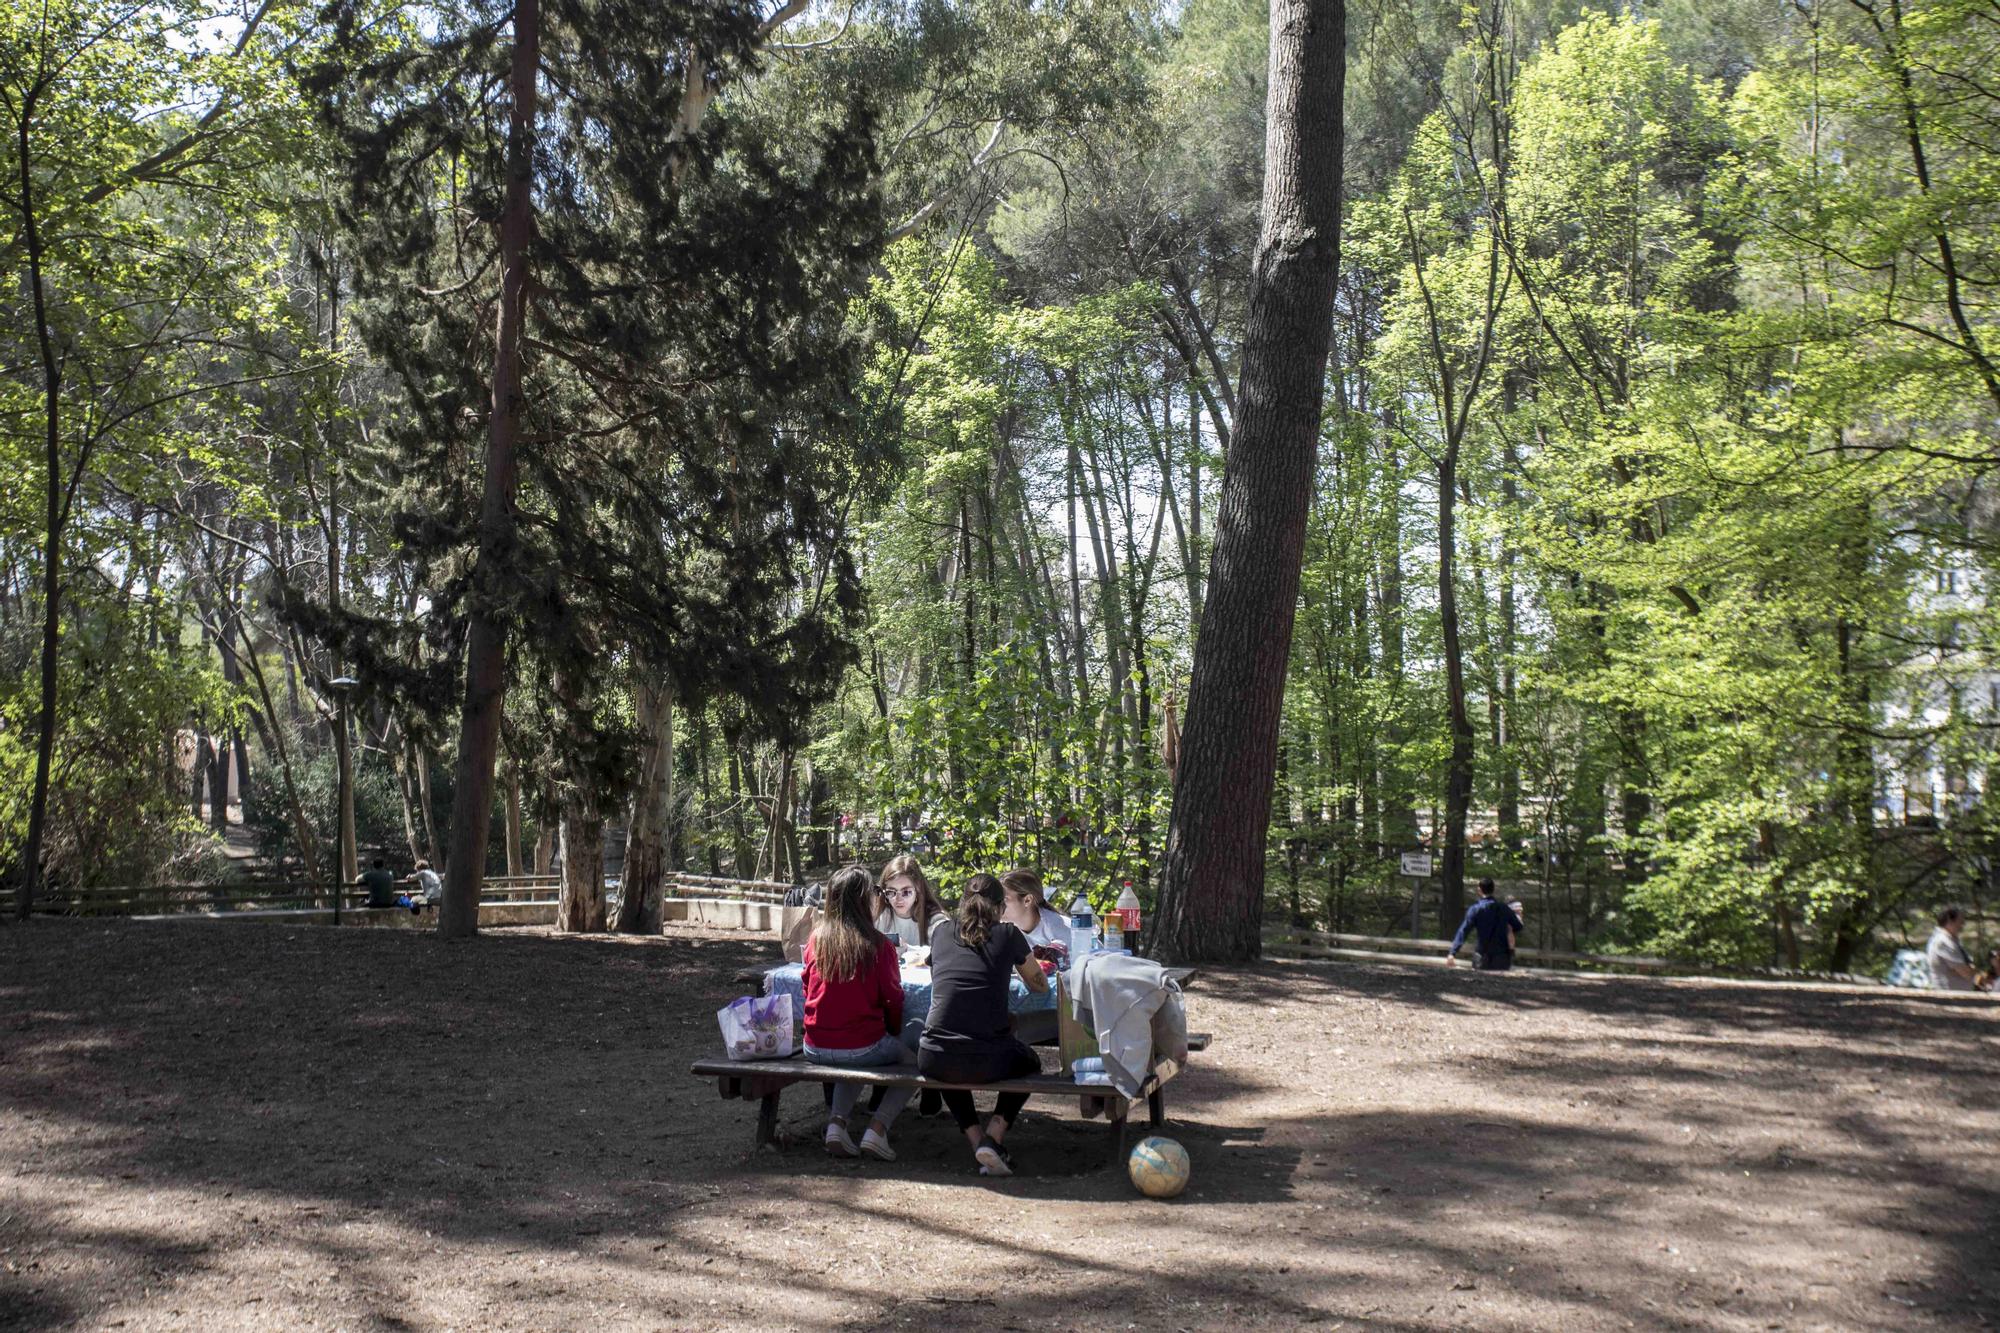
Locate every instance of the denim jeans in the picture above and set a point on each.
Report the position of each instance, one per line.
(888, 1051)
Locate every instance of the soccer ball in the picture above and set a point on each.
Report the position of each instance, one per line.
(1159, 1167)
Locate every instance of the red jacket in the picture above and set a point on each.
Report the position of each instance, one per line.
(853, 1015)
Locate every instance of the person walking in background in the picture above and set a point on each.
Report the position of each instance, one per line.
(1493, 923)
(1951, 966)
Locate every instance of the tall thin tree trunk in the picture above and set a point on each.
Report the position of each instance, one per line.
(1458, 767)
(54, 513)
(644, 878)
(1212, 881)
(486, 643)
(513, 816)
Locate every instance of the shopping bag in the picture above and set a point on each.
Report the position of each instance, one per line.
(757, 1027)
(797, 925)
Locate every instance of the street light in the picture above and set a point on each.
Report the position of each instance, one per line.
(344, 873)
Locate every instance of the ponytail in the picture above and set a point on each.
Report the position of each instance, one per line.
(979, 910)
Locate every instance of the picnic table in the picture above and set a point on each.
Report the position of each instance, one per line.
(762, 1081)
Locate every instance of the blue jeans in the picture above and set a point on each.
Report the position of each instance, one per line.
(888, 1051)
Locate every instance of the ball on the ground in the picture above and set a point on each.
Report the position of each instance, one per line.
(1159, 1167)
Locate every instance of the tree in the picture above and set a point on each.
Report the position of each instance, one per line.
(1212, 879)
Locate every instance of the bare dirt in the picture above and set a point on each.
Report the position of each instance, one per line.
(222, 1126)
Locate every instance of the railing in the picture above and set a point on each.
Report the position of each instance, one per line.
(275, 895)
(168, 899)
(1297, 942)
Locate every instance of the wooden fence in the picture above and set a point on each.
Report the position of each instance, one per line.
(280, 895)
(1297, 942)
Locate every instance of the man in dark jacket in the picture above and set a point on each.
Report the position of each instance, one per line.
(1491, 920)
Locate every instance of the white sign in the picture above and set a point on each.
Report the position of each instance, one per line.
(1417, 865)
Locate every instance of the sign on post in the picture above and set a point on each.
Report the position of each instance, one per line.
(1417, 865)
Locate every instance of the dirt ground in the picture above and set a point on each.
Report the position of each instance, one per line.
(222, 1126)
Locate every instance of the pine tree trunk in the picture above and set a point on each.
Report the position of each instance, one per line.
(643, 882)
(513, 816)
(1212, 881)
(581, 909)
(1458, 768)
(30, 882)
(486, 643)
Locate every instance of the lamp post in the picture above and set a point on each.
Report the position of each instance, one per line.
(343, 854)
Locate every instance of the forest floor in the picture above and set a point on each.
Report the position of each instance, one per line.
(222, 1126)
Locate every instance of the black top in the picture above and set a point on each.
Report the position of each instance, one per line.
(1490, 919)
(381, 886)
(969, 987)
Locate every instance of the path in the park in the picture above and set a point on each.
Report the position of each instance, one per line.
(220, 1125)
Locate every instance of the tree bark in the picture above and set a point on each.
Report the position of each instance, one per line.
(513, 816)
(1212, 880)
(486, 644)
(581, 908)
(30, 882)
(644, 880)
(1458, 768)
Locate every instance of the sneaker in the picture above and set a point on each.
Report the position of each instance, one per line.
(837, 1141)
(876, 1144)
(992, 1159)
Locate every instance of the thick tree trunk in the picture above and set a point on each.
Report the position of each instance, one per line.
(1212, 880)
(581, 908)
(545, 850)
(646, 853)
(486, 644)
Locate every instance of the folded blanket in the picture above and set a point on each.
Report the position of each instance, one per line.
(1089, 1064)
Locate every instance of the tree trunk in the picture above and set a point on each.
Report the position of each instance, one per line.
(1212, 880)
(1458, 768)
(486, 643)
(646, 853)
(545, 850)
(55, 512)
(581, 908)
(513, 815)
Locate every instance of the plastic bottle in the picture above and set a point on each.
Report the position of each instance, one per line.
(1130, 912)
(1082, 927)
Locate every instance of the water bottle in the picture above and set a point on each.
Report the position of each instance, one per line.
(1082, 928)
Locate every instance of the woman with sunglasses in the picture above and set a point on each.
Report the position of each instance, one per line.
(907, 906)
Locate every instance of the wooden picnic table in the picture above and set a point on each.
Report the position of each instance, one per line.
(762, 1081)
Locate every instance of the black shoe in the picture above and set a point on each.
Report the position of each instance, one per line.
(993, 1159)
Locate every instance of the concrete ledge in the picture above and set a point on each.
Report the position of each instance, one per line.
(727, 913)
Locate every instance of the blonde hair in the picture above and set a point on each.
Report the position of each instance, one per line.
(927, 906)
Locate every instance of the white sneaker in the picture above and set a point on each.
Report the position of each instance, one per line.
(991, 1163)
(837, 1141)
(876, 1144)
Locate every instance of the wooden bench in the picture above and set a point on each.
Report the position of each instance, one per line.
(762, 1080)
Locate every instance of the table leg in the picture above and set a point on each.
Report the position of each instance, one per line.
(767, 1118)
(1117, 1109)
(1156, 1107)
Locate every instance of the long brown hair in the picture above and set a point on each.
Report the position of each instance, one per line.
(979, 910)
(845, 940)
(1028, 884)
(927, 904)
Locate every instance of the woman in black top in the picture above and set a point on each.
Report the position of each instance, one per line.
(967, 1038)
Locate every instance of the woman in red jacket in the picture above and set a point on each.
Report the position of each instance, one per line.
(854, 1007)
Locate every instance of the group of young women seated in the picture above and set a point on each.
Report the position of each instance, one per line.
(854, 995)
